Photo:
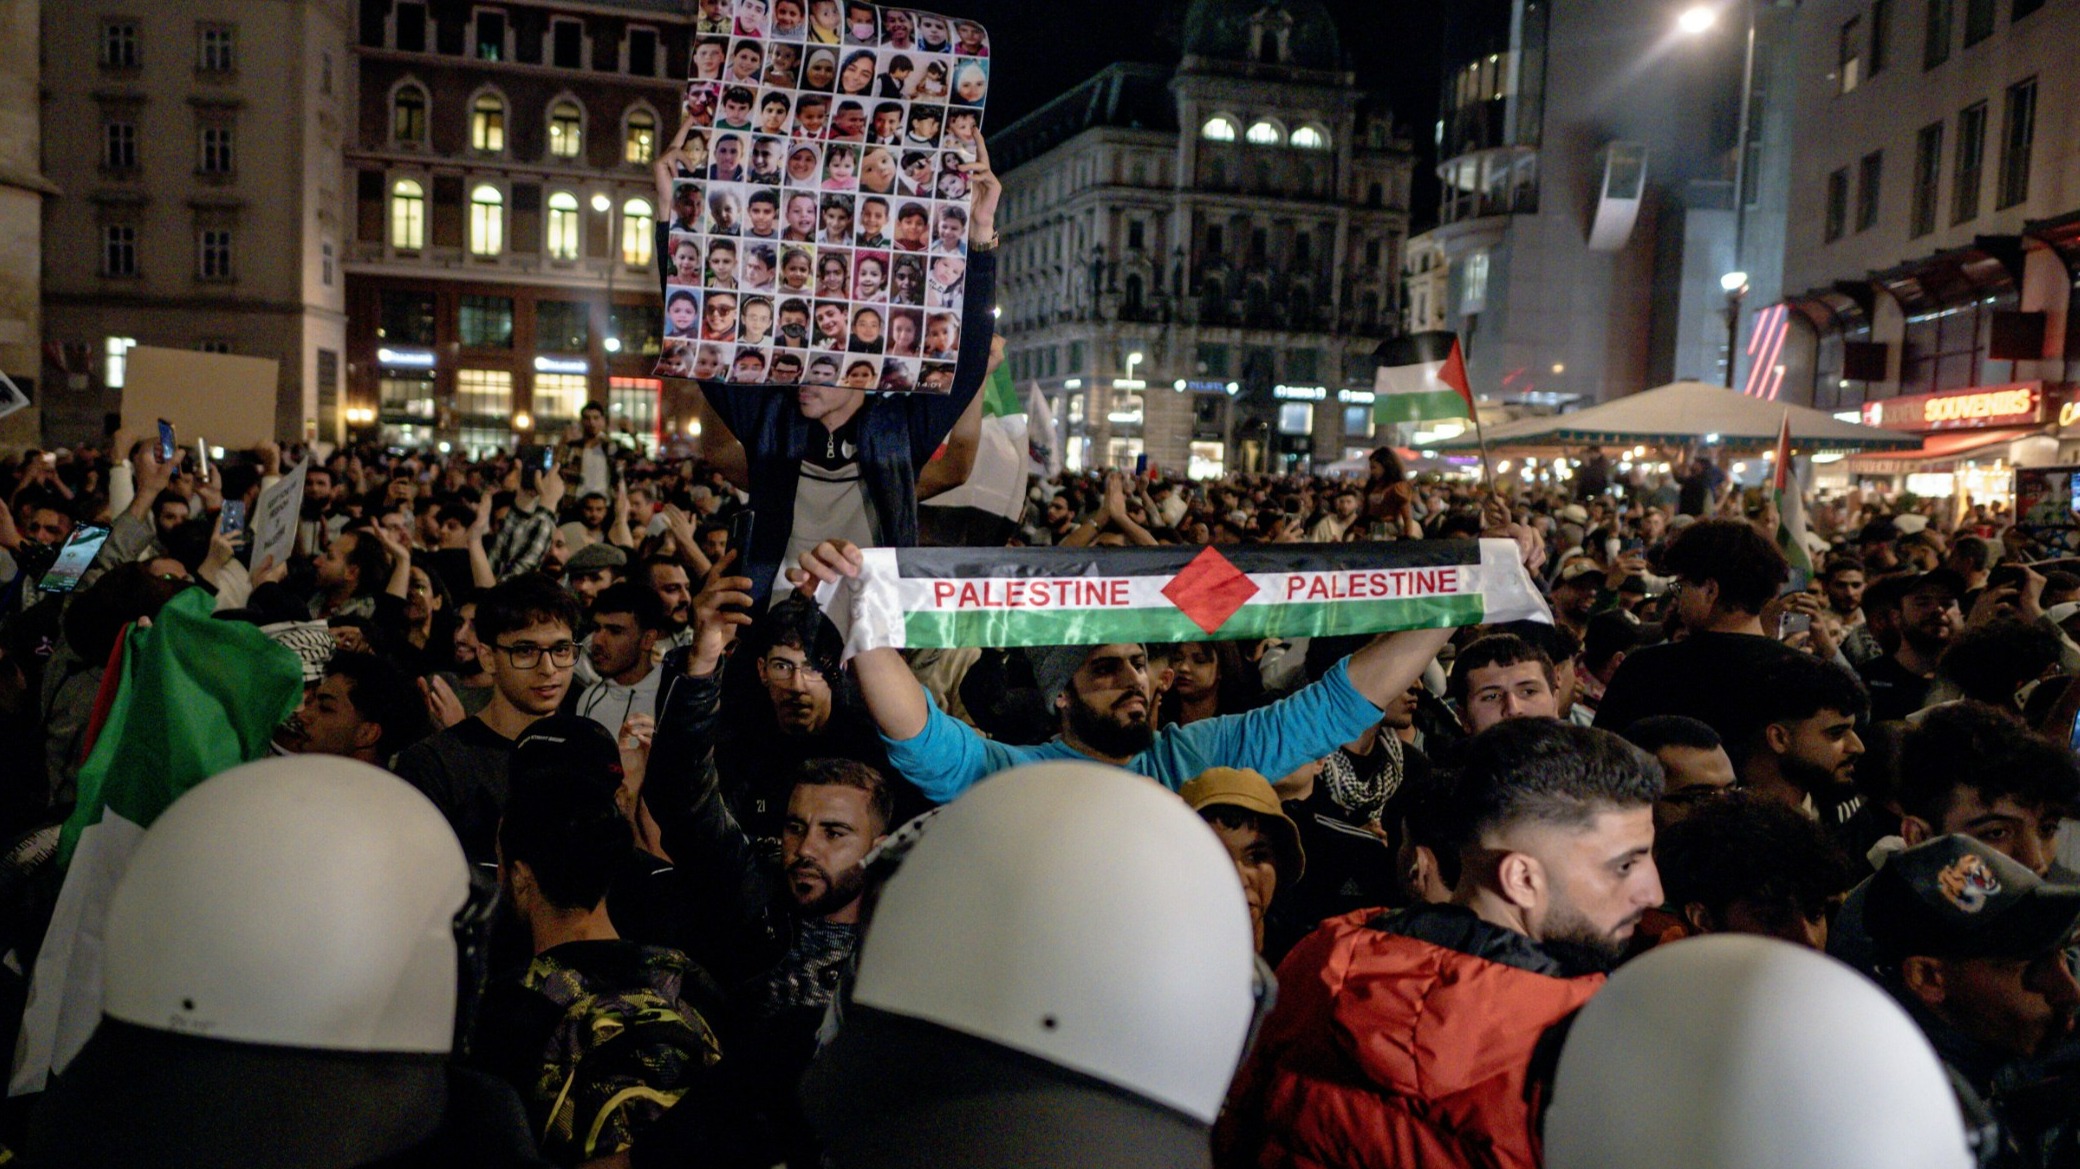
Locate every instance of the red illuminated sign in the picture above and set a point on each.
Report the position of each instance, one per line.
(2020, 404)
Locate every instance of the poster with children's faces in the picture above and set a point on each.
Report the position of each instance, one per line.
(819, 223)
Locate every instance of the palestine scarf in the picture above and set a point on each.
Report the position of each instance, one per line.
(937, 598)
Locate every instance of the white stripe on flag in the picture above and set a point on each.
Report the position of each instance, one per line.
(871, 613)
(65, 994)
(1410, 379)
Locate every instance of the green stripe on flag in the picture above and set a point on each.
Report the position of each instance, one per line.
(198, 697)
(999, 396)
(1427, 406)
(1000, 627)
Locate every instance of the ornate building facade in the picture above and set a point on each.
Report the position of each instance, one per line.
(1200, 260)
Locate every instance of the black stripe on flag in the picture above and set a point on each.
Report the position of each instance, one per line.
(1251, 559)
(1415, 349)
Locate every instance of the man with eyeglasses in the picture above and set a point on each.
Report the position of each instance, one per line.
(757, 756)
(526, 628)
(1694, 764)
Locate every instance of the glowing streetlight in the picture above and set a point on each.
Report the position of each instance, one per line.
(1697, 19)
(1733, 282)
(600, 202)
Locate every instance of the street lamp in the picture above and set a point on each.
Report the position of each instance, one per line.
(605, 206)
(1694, 21)
(1735, 285)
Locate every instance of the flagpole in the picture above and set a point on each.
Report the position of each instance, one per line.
(1487, 459)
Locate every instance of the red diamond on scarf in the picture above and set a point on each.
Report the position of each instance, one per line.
(1210, 590)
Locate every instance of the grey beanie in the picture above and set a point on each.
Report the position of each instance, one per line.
(1053, 667)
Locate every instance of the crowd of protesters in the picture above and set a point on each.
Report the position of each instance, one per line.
(599, 668)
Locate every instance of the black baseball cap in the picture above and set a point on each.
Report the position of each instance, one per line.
(1941, 579)
(1954, 897)
(568, 745)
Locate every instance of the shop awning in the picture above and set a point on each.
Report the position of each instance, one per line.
(1950, 445)
(1685, 412)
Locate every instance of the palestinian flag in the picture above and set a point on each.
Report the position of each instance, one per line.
(1421, 377)
(193, 697)
(935, 598)
(997, 483)
(1791, 510)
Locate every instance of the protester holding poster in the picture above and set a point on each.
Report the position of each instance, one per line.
(833, 460)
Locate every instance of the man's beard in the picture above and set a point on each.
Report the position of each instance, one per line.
(1107, 735)
(1923, 640)
(838, 892)
(1809, 778)
(1580, 948)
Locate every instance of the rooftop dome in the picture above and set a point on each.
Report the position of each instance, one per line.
(1251, 30)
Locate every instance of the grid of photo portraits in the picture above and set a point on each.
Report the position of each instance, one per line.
(819, 229)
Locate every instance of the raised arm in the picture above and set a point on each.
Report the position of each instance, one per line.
(1391, 663)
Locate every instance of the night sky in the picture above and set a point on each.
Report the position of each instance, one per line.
(1043, 47)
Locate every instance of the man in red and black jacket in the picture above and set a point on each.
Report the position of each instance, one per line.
(1407, 1038)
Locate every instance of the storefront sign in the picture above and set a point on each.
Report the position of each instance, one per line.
(2020, 404)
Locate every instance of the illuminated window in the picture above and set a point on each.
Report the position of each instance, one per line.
(639, 140)
(407, 216)
(487, 221)
(117, 352)
(638, 230)
(1219, 128)
(1266, 134)
(484, 393)
(1310, 138)
(557, 399)
(563, 226)
(487, 124)
(565, 130)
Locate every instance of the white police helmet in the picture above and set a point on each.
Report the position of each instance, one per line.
(1734, 1051)
(1079, 915)
(306, 902)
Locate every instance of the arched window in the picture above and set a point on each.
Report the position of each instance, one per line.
(1266, 133)
(639, 138)
(487, 221)
(407, 216)
(487, 124)
(408, 116)
(565, 129)
(563, 226)
(1311, 138)
(638, 230)
(1218, 128)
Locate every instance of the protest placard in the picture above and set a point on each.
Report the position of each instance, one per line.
(274, 518)
(819, 226)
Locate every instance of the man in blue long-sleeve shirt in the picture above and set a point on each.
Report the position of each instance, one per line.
(1104, 701)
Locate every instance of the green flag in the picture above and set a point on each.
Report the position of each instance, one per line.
(195, 697)
(999, 396)
(198, 696)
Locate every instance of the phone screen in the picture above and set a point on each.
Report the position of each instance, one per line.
(234, 517)
(548, 458)
(202, 456)
(165, 441)
(74, 559)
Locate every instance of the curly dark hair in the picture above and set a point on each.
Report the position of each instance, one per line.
(1733, 555)
(1741, 848)
(1991, 662)
(1973, 746)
